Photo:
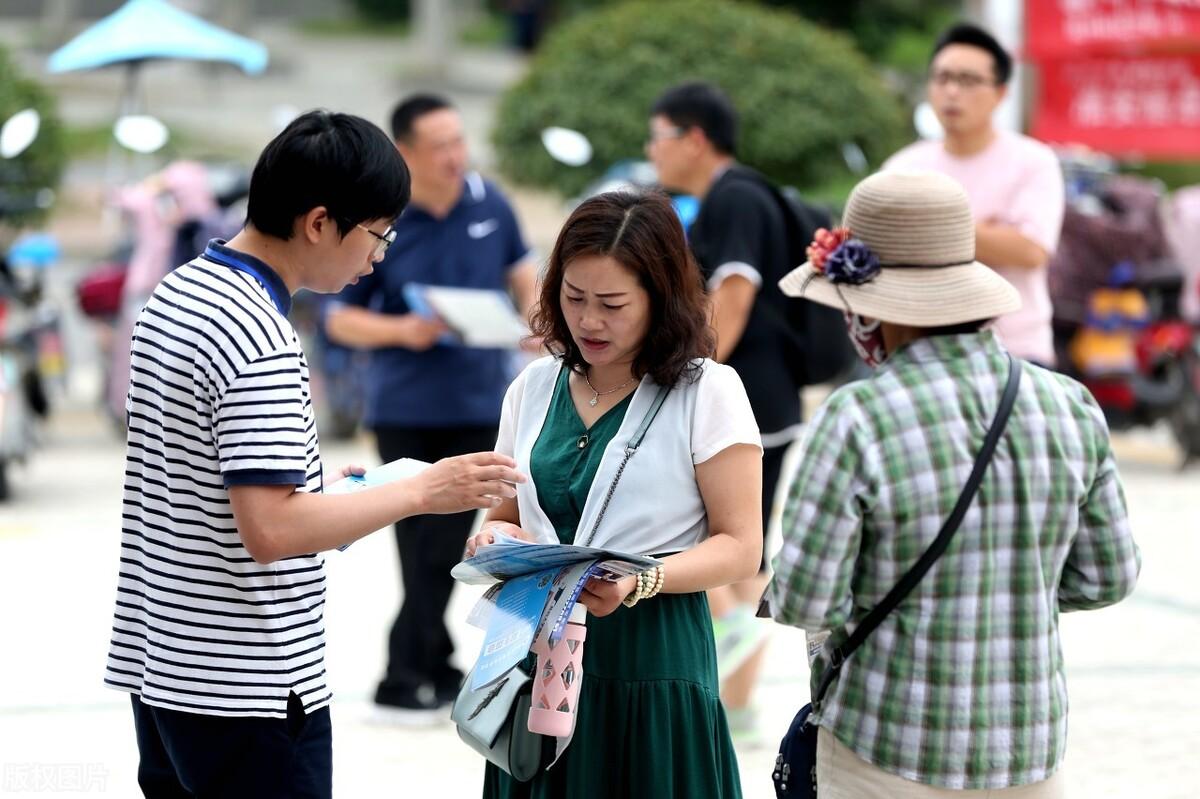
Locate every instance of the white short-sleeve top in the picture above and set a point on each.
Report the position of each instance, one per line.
(657, 507)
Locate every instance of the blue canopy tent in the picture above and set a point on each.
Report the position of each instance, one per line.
(147, 30)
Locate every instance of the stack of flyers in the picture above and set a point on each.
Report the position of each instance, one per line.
(509, 557)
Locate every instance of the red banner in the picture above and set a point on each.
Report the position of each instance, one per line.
(1074, 28)
(1124, 105)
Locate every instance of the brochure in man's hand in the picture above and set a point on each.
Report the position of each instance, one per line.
(510, 557)
(380, 475)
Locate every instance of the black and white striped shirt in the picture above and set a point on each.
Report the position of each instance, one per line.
(218, 396)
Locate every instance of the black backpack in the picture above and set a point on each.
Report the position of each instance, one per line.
(819, 351)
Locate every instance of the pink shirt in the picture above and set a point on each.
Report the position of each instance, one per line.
(1017, 182)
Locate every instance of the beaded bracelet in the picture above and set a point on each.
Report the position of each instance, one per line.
(649, 583)
(637, 593)
(659, 578)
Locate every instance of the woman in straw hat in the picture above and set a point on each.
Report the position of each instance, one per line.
(961, 687)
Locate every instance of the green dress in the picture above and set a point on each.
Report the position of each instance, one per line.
(650, 722)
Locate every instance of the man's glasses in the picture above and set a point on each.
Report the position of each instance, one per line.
(964, 80)
(384, 241)
(664, 133)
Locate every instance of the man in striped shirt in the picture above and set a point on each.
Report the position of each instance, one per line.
(218, 632)
(963, 685)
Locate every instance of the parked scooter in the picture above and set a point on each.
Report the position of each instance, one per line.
(171, 217)
(1118, 293)
(30, 343)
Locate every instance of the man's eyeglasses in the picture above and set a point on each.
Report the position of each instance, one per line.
(964, 80)
(664, 133)
(384, 241)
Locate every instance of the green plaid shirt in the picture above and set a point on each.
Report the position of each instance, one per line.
(963, 685)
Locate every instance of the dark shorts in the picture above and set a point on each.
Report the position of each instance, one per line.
(196, 755)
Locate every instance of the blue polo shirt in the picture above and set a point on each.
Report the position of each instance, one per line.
(450, 385)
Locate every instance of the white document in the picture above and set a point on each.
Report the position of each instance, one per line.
(481, 317)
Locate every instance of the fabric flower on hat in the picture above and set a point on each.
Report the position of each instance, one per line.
(824, 243)
(852, 262)
(841, 258)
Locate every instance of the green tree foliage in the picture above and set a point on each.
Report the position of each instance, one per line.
(802, 91)
(898, 33)
(39, 167)
(893, 33)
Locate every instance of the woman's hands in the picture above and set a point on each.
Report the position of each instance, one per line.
(601, 597)
(488, 535)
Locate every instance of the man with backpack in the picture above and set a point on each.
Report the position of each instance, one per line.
(741, 239)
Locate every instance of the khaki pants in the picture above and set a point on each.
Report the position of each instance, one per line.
(842, 774)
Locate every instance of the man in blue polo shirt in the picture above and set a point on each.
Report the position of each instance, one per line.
(426, 397)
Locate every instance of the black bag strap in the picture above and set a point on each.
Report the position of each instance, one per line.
(909, 581)
(634, 442)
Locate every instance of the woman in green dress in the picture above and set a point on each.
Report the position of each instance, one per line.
(623, 310)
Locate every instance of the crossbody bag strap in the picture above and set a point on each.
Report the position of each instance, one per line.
(909, 581)
(634, 442)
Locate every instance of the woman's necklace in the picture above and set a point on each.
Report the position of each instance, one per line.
(596, 395)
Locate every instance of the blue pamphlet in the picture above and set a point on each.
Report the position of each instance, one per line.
(512, 626)
(380, 475)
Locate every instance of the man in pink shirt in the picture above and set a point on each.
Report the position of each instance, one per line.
(1014, 183)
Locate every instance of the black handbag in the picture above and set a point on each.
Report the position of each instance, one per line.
(795, 772)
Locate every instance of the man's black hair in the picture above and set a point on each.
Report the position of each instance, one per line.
(410, 109)
(339, 161)
(974, 36)
(701, 105)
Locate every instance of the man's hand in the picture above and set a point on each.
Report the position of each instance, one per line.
(602, 597)
(467, 482)
(347, 471)
(488, 536)
(418, 333)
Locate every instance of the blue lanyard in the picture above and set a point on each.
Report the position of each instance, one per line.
(212, 254)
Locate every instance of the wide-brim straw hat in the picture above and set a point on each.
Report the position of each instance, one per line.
(920, 228)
